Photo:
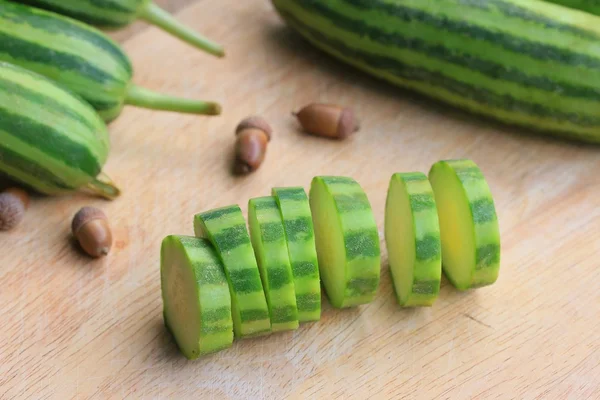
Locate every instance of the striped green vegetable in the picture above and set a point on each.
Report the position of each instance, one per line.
(50, 139)
(111, 14)
(196, 301)
(297, 222)
(268, 239)
(225, 227)
(82, 59)
(591, 6)
(412, 234)
(468, 224)
(347, 240)
(522, 62)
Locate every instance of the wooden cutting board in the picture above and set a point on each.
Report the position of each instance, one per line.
(77, 328)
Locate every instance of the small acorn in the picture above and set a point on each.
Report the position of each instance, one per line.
(13, 204)
(327, 120)
(90, 228)
(253, 134)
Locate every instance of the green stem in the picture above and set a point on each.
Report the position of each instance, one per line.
(141, 97)
(155, 15)
(103, 186)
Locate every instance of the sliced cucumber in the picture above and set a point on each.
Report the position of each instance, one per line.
(226, 229)
(299, 233)
(468, 224)
(347, 240)
(196, 300)
(412, 234)
(268, 240)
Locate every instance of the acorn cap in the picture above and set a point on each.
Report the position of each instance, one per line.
(347, 124)
(255, 122)
(12, 210)
(85, 215)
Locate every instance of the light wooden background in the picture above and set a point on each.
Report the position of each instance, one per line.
(74, 328)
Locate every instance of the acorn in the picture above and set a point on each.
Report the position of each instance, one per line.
(13, 204)
(253, 134)
(327, 120)
(91, 229)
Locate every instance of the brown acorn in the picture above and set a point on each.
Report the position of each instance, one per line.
(327, 120)
(91, 229)
(13, 204)
(253, 134)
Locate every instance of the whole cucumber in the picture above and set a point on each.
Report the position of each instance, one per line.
(112, 14)
(50, 139)
(82, 59)
(523, 62)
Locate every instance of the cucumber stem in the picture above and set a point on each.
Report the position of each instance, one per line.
(155, 15)
(145, 98)
(104, 187)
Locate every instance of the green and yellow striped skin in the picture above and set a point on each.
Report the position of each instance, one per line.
(412, 234)
(270, 248)
(468, 224)
(77, 56)
(50, 139)
(299, 232)
(226, 229)
(195, 293)
(347, 240)
(523, 62)
(591, 6)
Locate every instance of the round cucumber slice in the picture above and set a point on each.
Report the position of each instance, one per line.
(347, 240)
(196, 300)
(268, 240)
(299, 233)
(412, 234)
(226, 229)
(468, 224)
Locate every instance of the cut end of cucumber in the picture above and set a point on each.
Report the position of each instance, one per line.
(196, 301)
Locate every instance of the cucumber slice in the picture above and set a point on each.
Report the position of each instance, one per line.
(226, 229)
(268, 240)
(299, 233)
(196, 300)
(468, 224)
(412, 234)
(347, 240)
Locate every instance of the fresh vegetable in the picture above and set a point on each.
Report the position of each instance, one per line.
(299, 233)
(196, 301)
(50, 139)
(112, 14)
(524, 62)
(327, 120)
(13, 204)
(591, 6)
(268, 240)
(412, 234)
(82, 59)
(252, 136)
(226, 229)
(91, 229)
(347, 240)
(468, 224)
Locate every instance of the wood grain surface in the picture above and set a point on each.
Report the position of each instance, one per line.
(75, 328)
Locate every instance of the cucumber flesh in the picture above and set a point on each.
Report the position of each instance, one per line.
(347, 240)
(299, 232)
(468, 224)
(268, 240)
(226, 229)
(196, 300)
(412, 236)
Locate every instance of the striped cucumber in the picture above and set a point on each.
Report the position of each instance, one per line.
(268, 239)
(412, 235)
(50, 139)
(522, 62)
(226, 229)
(299, 232)
(196, 301)
(347, 240)
(468, 224)
(111, 14)
(82, 59)
(591, 6)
